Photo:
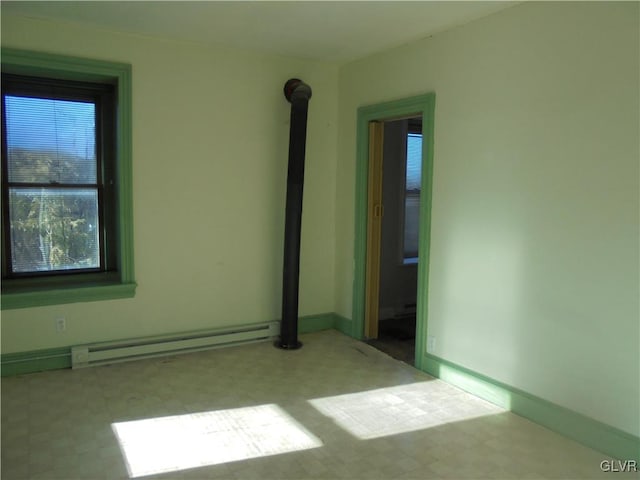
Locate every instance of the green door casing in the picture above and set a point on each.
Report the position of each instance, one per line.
(424, 106)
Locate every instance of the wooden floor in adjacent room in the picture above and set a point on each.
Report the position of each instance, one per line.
(397, 338)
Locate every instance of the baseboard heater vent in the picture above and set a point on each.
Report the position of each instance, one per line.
(408, 311)
(126, 350)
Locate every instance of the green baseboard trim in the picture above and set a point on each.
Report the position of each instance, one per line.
(324, 321)
(35, 361)
(343, 324)
(316, 323)
(585, 430)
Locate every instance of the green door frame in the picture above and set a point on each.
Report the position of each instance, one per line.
(423, 105)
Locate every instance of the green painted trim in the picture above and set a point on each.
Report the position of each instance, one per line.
(342, 324)
(73, 68)
(316, 323)
(125, 174)
(35, 361)
(67, 295)
(324, 321)
(590, 432)
(419, 105)
(27, 62)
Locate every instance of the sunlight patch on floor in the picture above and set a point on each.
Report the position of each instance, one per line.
(168, 444)
(400, 409)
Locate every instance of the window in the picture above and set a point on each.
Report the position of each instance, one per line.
(66, 180)
(57, 153)
(413, 179)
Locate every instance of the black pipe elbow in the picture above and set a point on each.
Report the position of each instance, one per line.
(295, 89)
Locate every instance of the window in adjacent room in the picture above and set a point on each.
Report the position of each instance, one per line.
(413, 179)
(66, 197)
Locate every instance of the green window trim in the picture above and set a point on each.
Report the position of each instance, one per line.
(22, 62)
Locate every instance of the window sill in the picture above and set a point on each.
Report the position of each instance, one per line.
(39, 297)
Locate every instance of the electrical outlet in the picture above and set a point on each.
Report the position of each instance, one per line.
(431, 344)
(61, 324)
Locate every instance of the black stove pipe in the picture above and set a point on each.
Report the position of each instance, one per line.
(298, 94)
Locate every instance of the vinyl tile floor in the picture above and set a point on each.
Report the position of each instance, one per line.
(335, 409)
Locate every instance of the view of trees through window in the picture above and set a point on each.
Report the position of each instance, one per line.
(52, 182)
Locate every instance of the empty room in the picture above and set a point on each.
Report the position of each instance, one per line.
(320, 240)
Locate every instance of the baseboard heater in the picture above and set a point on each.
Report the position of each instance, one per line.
(122, 351)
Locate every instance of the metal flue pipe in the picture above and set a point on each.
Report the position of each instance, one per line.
(298, 94)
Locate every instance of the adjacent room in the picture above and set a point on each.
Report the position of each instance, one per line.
(469, 267)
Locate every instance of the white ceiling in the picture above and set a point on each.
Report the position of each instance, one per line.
(337, 31)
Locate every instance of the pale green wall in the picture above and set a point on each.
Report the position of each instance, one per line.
(210, 143)
(534, 242)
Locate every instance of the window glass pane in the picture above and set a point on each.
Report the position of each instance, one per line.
(50, 141)
(414, 161)
(412, 195)
(54, 229)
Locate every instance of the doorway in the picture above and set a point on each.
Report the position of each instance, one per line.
(367, 321)
(399, 176)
